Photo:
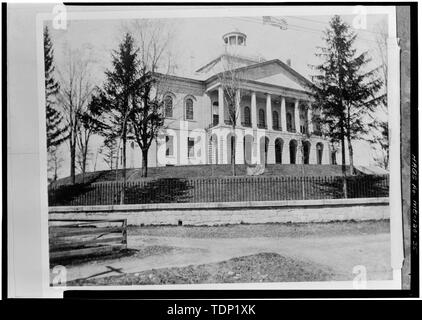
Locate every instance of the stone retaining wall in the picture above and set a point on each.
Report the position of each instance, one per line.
(233, 212)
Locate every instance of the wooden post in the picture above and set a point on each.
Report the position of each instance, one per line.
(124, 233)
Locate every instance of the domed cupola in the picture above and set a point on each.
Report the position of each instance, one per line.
(234, 39)
(235, 45)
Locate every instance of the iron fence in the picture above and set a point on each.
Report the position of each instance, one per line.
(218, 189)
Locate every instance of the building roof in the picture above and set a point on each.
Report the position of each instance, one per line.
(273, 72)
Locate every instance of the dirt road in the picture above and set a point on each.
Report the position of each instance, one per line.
(340, 247)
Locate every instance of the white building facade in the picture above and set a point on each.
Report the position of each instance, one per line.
(274, 123)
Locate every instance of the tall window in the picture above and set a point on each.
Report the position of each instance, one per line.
(261, 118)
(276, 124)
(168, 106)
(289, 122)
(189, 109)
(302, 125)
(303, 120)
(247, 116)
(191, 145)
(215, 118)
(169, 145)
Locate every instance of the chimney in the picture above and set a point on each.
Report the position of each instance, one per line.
(289, 62)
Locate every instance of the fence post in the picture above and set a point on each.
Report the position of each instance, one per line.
(124, 234)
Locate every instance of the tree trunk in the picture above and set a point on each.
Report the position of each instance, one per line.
(233, 152)
(343, 166)
(351, 168)
(84, 156)
(303, 171)
(122, 195)
(145, 163)
(72, 159)
(55, 170)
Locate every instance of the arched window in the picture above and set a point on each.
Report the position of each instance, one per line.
(247, 116)
(292, 150)
(168, 106)
(319, 150)
(306, 150)
(276, 124)
(189, 109)
(278, 150)
(261, 120)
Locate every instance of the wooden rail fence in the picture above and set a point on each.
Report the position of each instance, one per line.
(77, 238)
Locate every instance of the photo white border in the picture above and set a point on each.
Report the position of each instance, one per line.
(122, 12)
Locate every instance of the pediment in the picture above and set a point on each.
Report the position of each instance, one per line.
(273, 72)
(276, 73)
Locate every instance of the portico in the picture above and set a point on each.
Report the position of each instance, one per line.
(271, 127)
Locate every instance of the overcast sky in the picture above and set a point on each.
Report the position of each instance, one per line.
(196, 41)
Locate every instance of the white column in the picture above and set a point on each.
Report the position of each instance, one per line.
(297, 116)
(220, 105)
(223, 147)
(299, 151)
(310, 124)
(271, 152)
(269, 113)
(240, 152)
(253, 109)
(254, 147)
(161, 150)
(312, 153)
(183, 143)
(283, 114)
(238, 116)
(285, 156)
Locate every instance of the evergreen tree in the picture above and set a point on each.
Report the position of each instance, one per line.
(56, 132)
(344, 92)
(118, 92)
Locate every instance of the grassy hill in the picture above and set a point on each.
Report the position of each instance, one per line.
(191, 171)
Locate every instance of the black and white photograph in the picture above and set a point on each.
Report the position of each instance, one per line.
(215, 147)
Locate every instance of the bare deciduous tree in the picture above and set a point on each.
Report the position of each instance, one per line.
(75, 91)
(154, 37)
(231, 79)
